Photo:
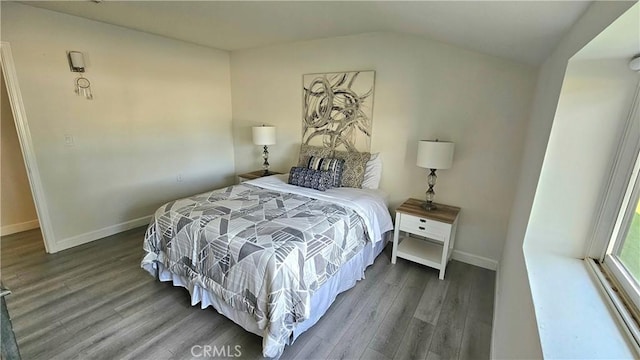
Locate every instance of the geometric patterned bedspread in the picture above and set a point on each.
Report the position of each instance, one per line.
(261, 251)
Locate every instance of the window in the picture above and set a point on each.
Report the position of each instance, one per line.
(622, 257)
(628, 251)
(616, 237)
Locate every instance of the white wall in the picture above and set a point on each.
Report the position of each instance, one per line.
(515, 332)
(161, 108)
(424, 90)
(17, 211)
(593, 107)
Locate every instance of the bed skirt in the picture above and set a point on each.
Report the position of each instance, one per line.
(346, 278)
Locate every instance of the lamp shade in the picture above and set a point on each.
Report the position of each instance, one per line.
(435, 154)
(264, 135)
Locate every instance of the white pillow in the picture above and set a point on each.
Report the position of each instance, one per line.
(372, 172)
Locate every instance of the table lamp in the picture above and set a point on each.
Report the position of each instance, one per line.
(434, 155)
(264, 135)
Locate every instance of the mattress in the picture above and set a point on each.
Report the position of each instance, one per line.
(264, 252)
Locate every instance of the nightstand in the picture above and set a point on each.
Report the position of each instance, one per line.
(436, 229)
(254, 175)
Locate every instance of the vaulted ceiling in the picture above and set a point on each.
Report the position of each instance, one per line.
(524, 31)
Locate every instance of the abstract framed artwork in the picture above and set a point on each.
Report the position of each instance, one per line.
(337, 110)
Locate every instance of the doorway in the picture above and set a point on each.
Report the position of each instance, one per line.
(26, 152)
(18, 211)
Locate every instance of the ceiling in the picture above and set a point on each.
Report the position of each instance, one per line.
(620, 40)
(524, 31)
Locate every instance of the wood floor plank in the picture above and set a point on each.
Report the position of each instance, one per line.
(104, 285)
(10, 281)
(358, 335)
(96, 318)
(156, 353)
(50, 345)
(30, 300)
(392, 329)
(292, 351)
(47, 265)
(416, 341)
(370, 354)
(69, 302)
(247, 345)
(335, 322)
(94, 301)
(108, 342)
(428, 309)
(397, 273)
(44, 311)
(215, 332)
(448, 334)
(446, 341)
(152, 304)
(37, 344)
(482, 295)
(476, 340)
(96, 310)
(315, 348)
(128, 339)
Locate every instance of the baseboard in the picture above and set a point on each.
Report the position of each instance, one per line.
(476, 260)
(101, 233)
(16, 228)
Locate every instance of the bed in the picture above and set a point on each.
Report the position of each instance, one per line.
(268, 255)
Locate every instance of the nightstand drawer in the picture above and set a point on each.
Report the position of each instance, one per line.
(424, 227)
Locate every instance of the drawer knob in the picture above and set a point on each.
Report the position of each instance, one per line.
(421, 227)
(423, 220)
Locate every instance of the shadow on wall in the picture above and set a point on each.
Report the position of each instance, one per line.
(151, 195)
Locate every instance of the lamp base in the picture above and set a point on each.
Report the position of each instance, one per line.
(429, 206)
(265, 164)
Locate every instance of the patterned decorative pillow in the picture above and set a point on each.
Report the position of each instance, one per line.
(307, 151)
(310, 178)
(355, 164)
(334, 166)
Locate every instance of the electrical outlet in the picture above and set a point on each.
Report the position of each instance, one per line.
(179, 177)
(68, 140)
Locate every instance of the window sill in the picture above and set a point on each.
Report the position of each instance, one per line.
(573, 316)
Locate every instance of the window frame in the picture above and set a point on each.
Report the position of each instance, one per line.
(620, 175)
(627, 209)
(611, 262)
(620, 231)
(613, 221)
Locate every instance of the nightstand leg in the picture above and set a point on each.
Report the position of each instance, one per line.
(441, 275)
(396, 234)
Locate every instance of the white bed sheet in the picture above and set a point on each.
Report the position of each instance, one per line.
(370, 204)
